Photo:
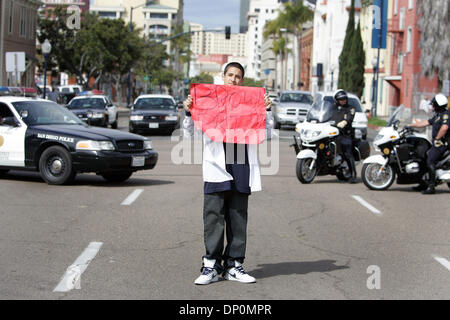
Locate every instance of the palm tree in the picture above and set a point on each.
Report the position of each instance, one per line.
(272, 30)
(291, 18)
(296, 15)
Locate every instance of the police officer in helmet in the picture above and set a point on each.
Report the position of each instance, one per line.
(441, 138)
(343, 116)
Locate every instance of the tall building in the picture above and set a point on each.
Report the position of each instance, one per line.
(18, 21)
(260, 11)
(330, 24)
(157, 19)
(208, 43)
(243, 23)
(306, 60)
(82, 4)
(211, 50)
(408, 86)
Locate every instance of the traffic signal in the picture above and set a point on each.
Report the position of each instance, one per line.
(227, 32)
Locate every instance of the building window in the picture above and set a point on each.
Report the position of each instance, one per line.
(257, 10)
(410, 4)
(409, 40)
(400, 63)
(31, 34)
(11, 17)
(395, 7)
(402, 18)
(23, 22)
(154, 15)
(107, 14)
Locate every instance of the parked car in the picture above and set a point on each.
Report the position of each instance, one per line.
(40, 135)
(292, 108)
(4, 91)
(72, 88)
(153, 112)
(15, 91)
(360, 121)
(29, 92)
(96, 110)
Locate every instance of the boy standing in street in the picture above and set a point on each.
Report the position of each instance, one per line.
(227, 185)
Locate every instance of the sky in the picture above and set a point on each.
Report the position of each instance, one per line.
(213, 13)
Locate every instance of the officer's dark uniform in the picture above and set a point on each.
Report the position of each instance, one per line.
(346, 113)
(435, 153)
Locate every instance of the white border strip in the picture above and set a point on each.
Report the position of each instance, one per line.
(71, 278)
(132, 197)
(367, 205)
(442, 261)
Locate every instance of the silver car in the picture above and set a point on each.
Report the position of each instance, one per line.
(292, 108)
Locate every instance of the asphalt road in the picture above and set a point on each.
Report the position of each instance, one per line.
(143, 239)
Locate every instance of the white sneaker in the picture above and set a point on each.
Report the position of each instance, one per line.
(209, 274)
(237, 273)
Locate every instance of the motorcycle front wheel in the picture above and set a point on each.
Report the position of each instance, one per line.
(377, 177)
(306, 170)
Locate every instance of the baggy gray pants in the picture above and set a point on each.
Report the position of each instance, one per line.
(225, 211)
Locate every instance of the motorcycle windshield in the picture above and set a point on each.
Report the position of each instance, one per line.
(321, 111)
(397, 115)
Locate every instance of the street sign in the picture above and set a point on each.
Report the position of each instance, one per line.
(15, 61)
(379, 25)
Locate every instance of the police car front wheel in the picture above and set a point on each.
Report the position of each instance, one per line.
(56, 167)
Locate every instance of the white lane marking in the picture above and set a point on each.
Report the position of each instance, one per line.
(132, 197)
(71, 279)
(367, 205)
(442, 261)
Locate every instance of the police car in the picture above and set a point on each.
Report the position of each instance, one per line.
(43, 136)
(96, 110)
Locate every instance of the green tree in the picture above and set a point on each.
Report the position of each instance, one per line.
(101, 49)
(296, 15)
(358, 59)
(434, 24)
(291, 18)
(345, 62)
(203, 78)
(250, 82)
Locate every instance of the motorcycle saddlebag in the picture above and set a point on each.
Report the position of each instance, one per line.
(364, 148)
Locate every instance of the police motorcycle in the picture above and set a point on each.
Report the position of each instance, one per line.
(318, 152)
(404, 154)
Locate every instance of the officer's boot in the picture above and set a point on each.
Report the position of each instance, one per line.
(431, 181)
(353, 168)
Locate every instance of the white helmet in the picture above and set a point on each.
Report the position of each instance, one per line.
(440, 102)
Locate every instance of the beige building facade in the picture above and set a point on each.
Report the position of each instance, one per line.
(211, 42)
(366, 18)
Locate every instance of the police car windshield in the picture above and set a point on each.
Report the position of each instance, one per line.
(296, 98)
(154, 103)
(40, 112)
(87, 103)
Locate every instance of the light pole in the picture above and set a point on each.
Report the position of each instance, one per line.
(131, 30)
(375, 65)
(333, 67)
(284, 61)
(46, 48)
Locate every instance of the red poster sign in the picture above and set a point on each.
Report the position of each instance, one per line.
(231, 114)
